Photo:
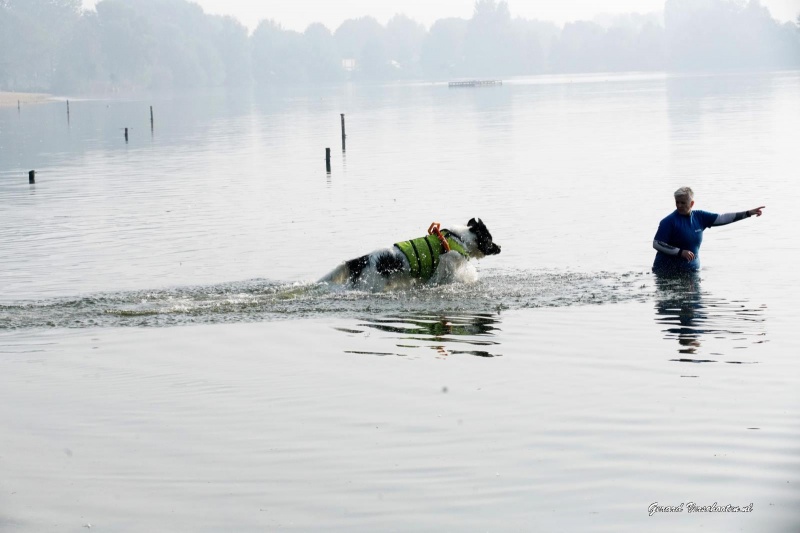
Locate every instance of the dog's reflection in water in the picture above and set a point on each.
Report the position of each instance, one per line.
(446, 335)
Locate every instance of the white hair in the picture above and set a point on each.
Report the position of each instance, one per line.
(684, 191)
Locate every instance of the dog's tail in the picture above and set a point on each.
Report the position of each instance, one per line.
(339, 275)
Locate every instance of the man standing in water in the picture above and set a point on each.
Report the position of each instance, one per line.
(677, 241)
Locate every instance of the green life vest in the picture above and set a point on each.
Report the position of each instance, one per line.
(423, 253)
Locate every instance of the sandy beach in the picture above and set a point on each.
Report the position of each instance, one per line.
(11, 99)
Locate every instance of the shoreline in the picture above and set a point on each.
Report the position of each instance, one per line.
(10, 99)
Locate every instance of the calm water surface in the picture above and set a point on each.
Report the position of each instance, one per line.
(168, 362)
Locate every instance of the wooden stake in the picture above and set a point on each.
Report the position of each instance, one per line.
(343, 134)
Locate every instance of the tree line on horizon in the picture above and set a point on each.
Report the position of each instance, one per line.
(128, 45)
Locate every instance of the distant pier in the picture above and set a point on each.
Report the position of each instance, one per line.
(475, 83)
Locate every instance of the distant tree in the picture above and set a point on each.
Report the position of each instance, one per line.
(133, 44)
(649, 48)
(628, 48)
(37, 31)
(128, 45)
(442, 53)
(579, 48)
(374, 62)
(82, 64)
(324, 61)
(232, 42)
(490, 48)
(790, 43)
(279, 55)
(628, 43)
(404, 38)
(7, 37)
(723, 34)
(364, 40)
(534, 38)
(186, 55)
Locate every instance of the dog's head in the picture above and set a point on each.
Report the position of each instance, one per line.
(483, 239)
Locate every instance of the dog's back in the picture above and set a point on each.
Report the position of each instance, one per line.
(371, 271)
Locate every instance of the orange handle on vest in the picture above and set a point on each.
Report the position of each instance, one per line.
(434, 230)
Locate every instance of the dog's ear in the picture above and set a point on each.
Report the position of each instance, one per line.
(474, 223)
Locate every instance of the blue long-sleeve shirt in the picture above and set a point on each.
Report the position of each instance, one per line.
(678, 232)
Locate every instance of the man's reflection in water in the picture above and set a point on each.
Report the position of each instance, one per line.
(680, 307)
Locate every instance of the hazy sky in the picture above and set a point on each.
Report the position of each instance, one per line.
(298, 14)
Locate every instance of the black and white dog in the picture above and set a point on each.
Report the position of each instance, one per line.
(439, 257)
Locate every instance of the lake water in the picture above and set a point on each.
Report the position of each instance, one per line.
(168, 363)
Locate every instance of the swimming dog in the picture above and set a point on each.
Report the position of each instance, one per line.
(436, 258)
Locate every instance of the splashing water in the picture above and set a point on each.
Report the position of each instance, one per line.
(265, 300)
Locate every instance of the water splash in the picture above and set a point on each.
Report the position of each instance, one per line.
(265, 300)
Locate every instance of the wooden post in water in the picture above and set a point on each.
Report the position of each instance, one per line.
(126, 134)
(343, 134)
(328, 159)
(67, 111)
(32, 176)
(151, 119)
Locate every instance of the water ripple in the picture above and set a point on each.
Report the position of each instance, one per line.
(265, 300)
